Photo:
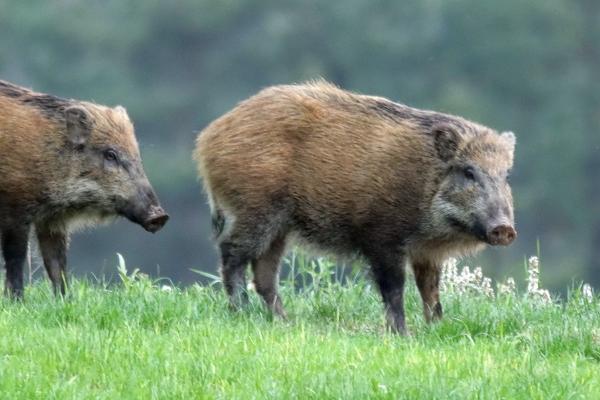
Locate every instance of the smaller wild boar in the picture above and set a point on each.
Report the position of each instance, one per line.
(352, 174)
(64, 164)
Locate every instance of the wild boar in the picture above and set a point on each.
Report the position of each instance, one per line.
(64, 164)
(352, 174)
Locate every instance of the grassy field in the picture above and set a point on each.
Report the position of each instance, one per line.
(141, 340)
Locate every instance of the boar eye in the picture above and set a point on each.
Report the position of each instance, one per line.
(469, 173)
(110, 155)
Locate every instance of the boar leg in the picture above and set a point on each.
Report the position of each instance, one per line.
(388, 271)
(14, 250)
(53, 246)
(427, 276)
(251, 233)
(266, 276)
(234, 260)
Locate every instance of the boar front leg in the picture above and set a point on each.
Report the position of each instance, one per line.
(427, 276)
(14, 250)
(53, 246)
(388, 271)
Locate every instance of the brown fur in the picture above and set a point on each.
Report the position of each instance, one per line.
(54, 174)
(351, 174)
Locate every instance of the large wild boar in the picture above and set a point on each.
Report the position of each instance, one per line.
(63, 164)
(352, 174)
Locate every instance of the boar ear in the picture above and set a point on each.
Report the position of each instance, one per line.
(121, 110)
(446, 141)
(78, 125)
(510, 138)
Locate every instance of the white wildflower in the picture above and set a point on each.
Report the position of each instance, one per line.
(534, 262)
(465, 280)
(383, 388)
(166, 288)
(449, 275)
(587, 293)
(486, 287)
(533, 272)
(507, 288)
(533, 282)
(544, 295)
(510, 282)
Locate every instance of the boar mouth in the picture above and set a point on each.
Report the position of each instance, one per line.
(155, 223)
(152, 220)
(477, 230)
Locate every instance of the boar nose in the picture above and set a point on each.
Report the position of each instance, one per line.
(501, 235)
(156, 219)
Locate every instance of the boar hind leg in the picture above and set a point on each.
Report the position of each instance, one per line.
(234, 260)
(388, 271)
(250, 235)
(14, 250)
(53, 246)
(266, 276)
(427, 276)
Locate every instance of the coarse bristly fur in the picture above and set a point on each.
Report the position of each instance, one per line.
(352, 174)
(65, 164)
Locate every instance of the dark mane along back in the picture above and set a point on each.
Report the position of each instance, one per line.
(51, 106)
(400, 113)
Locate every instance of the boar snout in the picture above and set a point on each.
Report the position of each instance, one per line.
(157, 218)
(145, 210)
(503, 234)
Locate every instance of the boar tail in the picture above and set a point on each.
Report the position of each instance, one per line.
(218, 222)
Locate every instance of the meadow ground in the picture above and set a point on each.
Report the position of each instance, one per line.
(141, 340)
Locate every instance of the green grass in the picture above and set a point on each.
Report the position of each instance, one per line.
(134, 340)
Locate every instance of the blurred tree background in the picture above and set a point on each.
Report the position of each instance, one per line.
(529, 67)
